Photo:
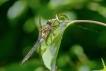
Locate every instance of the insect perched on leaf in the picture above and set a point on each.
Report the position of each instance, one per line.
(44, 32)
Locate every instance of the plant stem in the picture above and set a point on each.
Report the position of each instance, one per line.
(88, 21)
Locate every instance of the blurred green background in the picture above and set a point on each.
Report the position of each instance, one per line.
(81, 49)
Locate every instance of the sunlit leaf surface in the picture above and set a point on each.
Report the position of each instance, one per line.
(51, 52)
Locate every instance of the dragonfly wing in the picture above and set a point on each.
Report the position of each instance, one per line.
(31, 51)
(40, 21)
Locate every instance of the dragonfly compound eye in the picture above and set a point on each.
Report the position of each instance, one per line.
(48, 22)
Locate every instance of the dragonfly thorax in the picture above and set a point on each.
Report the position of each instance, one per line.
(45, 31)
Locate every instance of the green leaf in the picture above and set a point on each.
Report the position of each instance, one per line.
(51, 52)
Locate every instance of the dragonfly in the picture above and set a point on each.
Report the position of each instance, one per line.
(44, 32)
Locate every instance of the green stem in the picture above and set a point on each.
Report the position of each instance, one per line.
(103, 62)
(88, 21)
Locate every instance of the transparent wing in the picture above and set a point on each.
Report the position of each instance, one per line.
(40, 25)
(40, 39)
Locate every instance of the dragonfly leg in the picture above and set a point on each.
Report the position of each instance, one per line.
(53, 33)
(47, 39)
(55, 26)
(47, 42)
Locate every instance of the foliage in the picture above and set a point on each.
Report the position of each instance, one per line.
(82, 44)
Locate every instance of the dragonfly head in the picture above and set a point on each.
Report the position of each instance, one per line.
(49, 22)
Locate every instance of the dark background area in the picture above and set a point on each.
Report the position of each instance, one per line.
(81, 49)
